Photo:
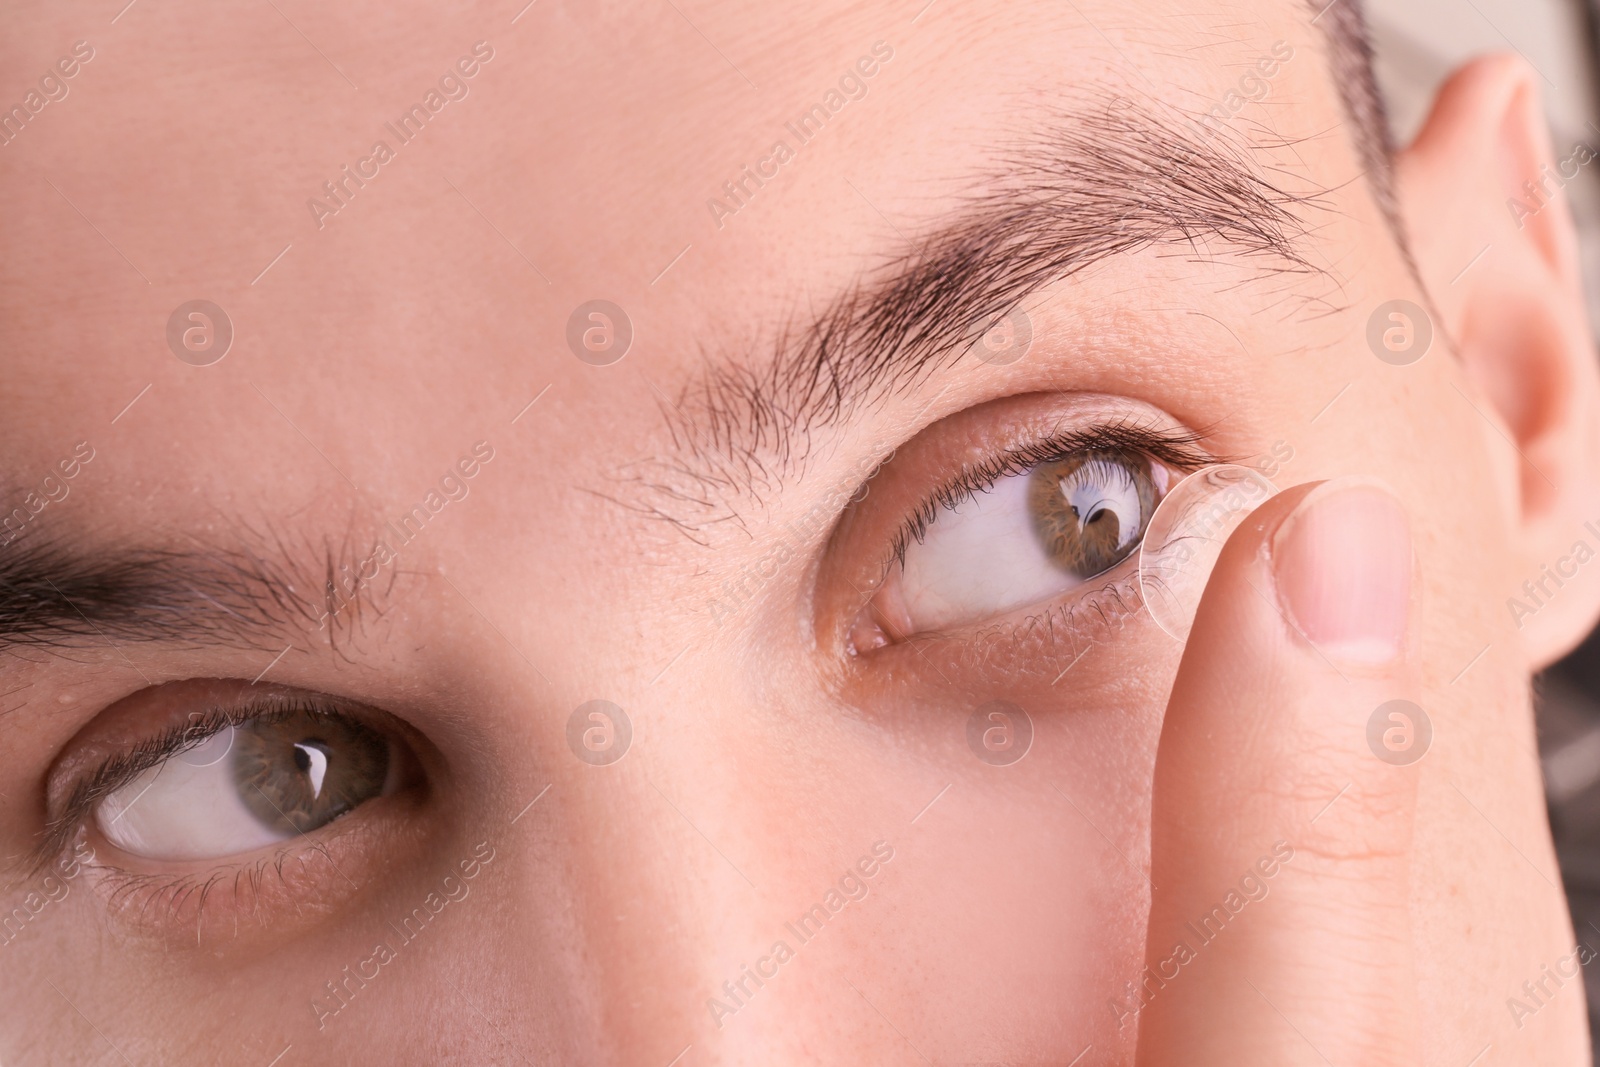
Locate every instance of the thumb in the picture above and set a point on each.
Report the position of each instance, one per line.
(1281, 836)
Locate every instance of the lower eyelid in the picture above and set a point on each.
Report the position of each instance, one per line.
(1097, 607)
(1039, 643)
(273, 892)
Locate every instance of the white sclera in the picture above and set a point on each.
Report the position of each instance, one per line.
(1185, 538)
(185, 809)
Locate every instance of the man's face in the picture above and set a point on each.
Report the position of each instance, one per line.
(420, 501)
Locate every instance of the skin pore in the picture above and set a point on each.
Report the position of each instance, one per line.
(700, 533)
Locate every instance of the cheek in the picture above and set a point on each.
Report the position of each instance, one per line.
(1022, 885)
(1019, 892)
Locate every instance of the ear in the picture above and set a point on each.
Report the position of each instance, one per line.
(1481, 195)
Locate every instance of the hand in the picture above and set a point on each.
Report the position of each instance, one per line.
(1280, 930)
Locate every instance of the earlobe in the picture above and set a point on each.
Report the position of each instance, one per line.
(1482, 197)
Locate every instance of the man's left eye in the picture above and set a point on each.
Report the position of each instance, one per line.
(1028, 537)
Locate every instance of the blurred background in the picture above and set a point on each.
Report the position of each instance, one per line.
(1418, 43)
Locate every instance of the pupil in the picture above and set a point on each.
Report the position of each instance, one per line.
(302, 759)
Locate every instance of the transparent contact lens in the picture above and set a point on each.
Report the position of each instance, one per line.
(1185, 537)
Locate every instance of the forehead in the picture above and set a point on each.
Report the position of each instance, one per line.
(719, 173)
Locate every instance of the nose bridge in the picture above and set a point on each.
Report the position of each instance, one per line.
(662, 831)
(726, 876)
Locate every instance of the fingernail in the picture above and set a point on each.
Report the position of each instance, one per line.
(1342, 561)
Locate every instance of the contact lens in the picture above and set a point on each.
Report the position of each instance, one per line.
(1185, 537)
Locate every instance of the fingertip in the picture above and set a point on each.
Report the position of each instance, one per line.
(1342, 564)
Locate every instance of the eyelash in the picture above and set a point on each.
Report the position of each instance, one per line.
(117, 771)
(166, 895)
(1176, 449)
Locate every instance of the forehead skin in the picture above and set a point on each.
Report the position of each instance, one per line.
(372, 352)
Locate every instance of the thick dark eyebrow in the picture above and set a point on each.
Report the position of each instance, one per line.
(58, 596)
(1092, 184)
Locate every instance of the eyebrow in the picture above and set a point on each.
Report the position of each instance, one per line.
(1090, 185)
(59, 597)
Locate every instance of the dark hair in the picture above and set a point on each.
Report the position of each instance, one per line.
(1350, 64)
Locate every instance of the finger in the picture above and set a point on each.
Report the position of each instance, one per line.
(1279, 931)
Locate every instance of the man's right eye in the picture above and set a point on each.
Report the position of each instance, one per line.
(212, 808)
(249, 786)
